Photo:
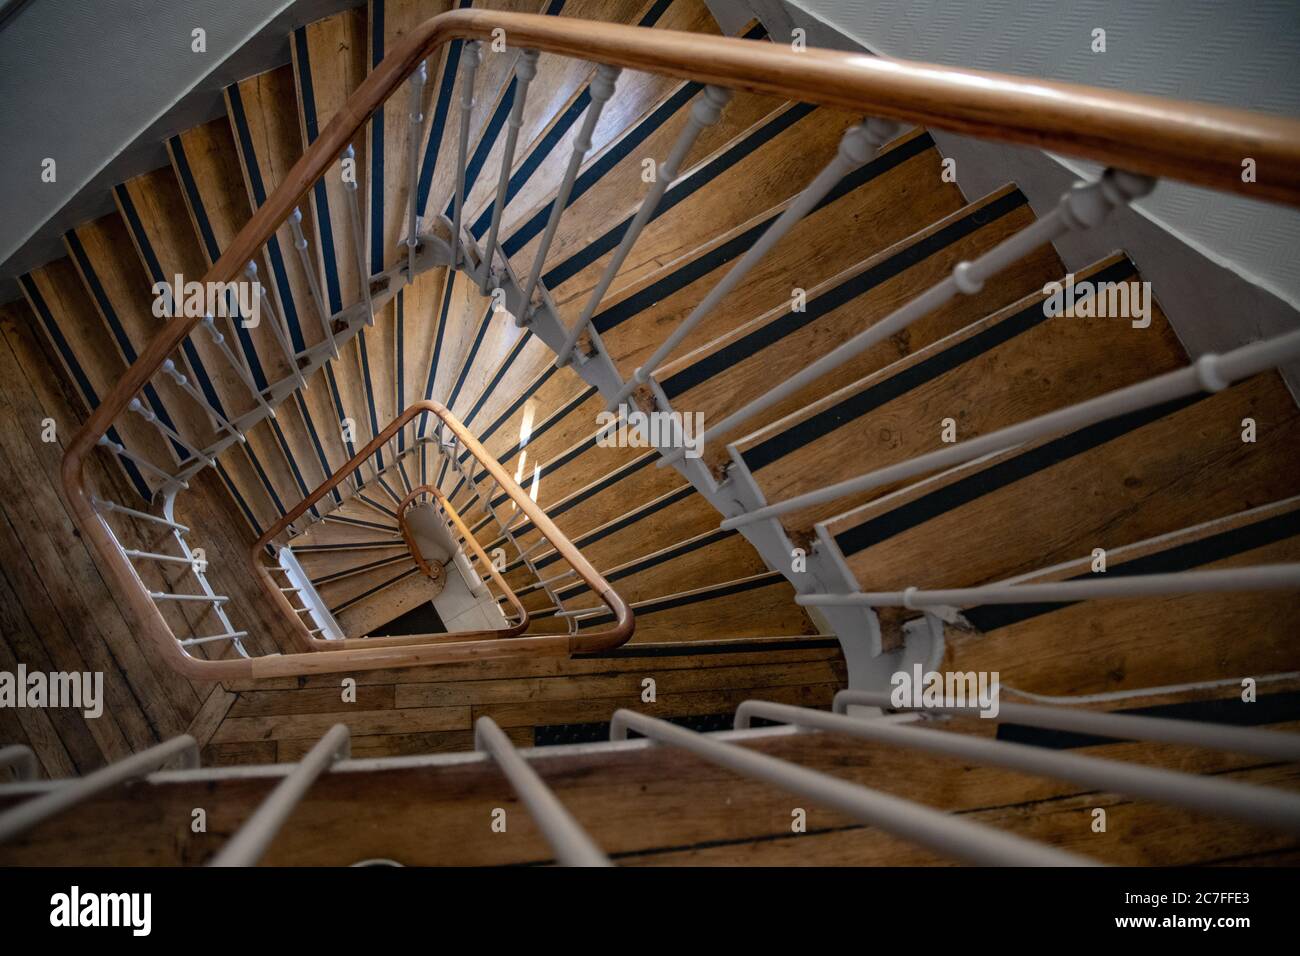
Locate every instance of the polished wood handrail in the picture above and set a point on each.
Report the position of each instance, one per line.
(591, 641)
(1197, 143)
(1194, 142)
(463, 530)
(358, 654)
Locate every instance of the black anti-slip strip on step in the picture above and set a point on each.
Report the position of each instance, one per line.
(359, 569)
(83, 381)
(855, 406)
(550, 735)
(551, 421)
(375, 590)
(350, 546)
(990, 479)
(584, 495)
(739, 244)
(626, 521)
(1183, 557)
(343, 519)
(685, 600)
(584, 257)
(686, 547)
(848, 290)
(1233, 711)
(689, 649)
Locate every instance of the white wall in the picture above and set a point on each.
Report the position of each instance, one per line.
(1243, 53)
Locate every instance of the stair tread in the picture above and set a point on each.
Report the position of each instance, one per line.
(894, 196)
(1143, 475)
(56, 294)
(1087, 647)
(744, 364)
(781, 148)
(1008, 367)
(747, 606)
(101, 251)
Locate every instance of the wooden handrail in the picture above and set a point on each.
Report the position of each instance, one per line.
(593, 641)
(463, 530)
(1197, 143)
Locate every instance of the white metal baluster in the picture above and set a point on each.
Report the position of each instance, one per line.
(415, 125)
(197, 568)
(253, 839)
(602, 88)
(154, 556)
(1270, 744)
(20, 759)
(102, 504)
(313, 279)
(27, 815)
(358, 233)
(182, 380)
(131, 456)
(570, 842)
(946, 834)
(525, 70)
(234, 636)
(706, 112)
(857, 146)
(469, 65)
(505, 527)
(238, 363)
(1083, 207)
(1264, 577)
(278, 325)
(148, 415)
(1209, 373)
(203, 598)
(1261, 806)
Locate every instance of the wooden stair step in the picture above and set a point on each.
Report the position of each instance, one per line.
(746, 607)
(545, 404)
(882, 203)
(1128, 479)
(206, 162)
(369, 613)
(736, 368)
(1088, 647)
(559, 82)
(76, 333)
(641, 120)
(715, 557)
(676, 515)
(440, 137)
(321, 565)
(601, 500)
(372, 577)
(1003, 369)
(387, 199)
(154, 209)
(116, 283)
(754, 144)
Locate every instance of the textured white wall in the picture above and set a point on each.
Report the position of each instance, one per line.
(1243, 53)
(82, 80)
